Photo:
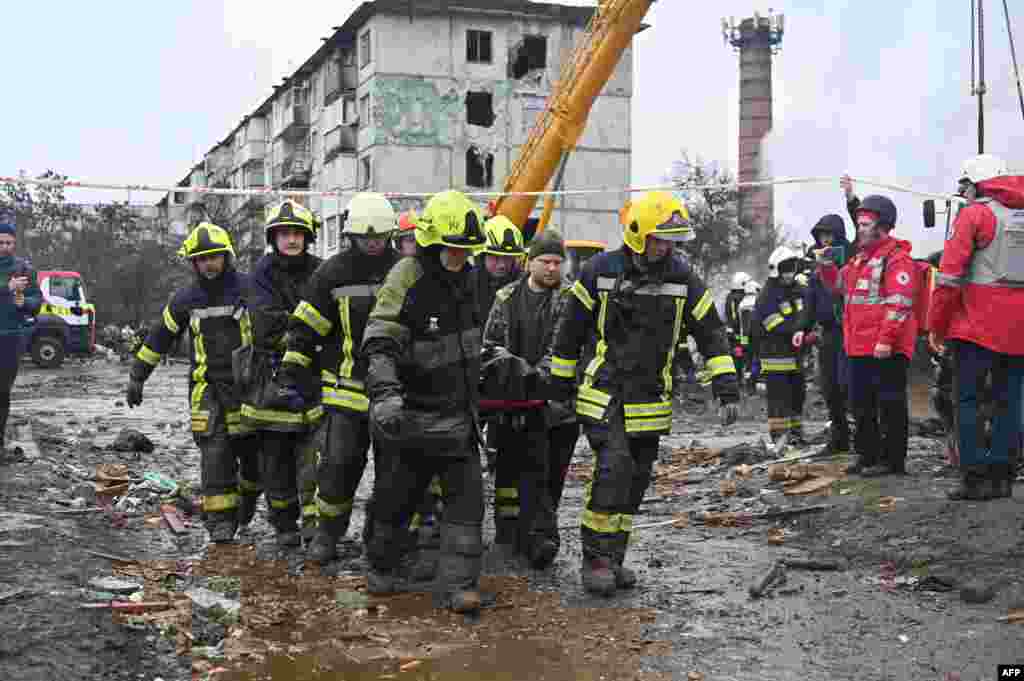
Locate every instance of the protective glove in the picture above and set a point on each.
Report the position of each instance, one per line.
(810, 339)
(737, 352)
(387, 414)
(730, 413)
(133, 396)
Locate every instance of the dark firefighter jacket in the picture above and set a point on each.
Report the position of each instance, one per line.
(215, 314)
(486, 287)
(629, 325)
(779, 313)
(277, 285)
(13, 318)
(526, 334)
(732, 318)
(333, 315)
(825, 307)
(423, 343)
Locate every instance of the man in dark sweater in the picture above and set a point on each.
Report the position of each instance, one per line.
(20, 298)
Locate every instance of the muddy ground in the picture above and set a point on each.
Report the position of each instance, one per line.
(893, 610)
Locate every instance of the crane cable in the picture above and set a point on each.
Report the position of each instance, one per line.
(1013, 56)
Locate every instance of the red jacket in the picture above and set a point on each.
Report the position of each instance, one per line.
(878, 287)
(988, 315)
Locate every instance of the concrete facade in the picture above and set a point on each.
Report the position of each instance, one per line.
(420, 97)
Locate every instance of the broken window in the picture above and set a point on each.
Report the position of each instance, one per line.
(479, 168)
(365, 172)
(480, 108)
(478, 47)
(529, 55)
(365, 55)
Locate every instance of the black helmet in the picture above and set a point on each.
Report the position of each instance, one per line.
(830, 224)
(882, 206)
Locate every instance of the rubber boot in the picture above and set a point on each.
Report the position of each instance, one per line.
(221, 526)
(459, 567)
(1002, 481)
(542, 552)
(975, 485)
(324, 547)
(285, 521)
(598, 577)
(385, 552)
(625, 578)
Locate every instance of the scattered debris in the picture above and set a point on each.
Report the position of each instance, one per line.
(131, 440)
(977, 592)
(776, 535)
(128, 606)
(205, 599)
(110, 556)
(162, 482)
(727, 487)
(777, 575)
(886, 504)
(15, 594)
(114, 585)
(743, 471)
(412, 664)
(172, 516)
(1013, 617)
(811, 486)
(812, 564)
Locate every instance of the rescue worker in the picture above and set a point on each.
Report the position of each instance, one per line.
(213, 311)
(287, 421)
(825, 314)
(779, 328)
(739, 342)
(977, 304)
(422, 345)
(405, 238)
(879, 286)
(535, 446)
(332, 315)
(630, 309)
(20, 299)
(500, 268)
(746, 314)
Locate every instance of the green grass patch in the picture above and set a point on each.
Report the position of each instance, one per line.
(225, 585)
(870, 491)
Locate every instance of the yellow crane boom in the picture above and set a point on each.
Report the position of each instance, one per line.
(560, 126)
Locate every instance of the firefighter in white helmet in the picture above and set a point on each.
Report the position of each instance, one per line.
(739, 342)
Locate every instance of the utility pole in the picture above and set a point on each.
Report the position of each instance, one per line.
(980, 89)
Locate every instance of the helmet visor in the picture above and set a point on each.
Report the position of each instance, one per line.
(788, 266)
(676, 229)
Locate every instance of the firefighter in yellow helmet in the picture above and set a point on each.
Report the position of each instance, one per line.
(212, 309)
(286, 422)
(630, 309)
(326, 331)
(422, 345)
(500, 261)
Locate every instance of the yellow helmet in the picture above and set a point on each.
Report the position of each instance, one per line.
(503, 237)
(291, 213)
(370, 214)
(206, 239)
(451, 219)
(657, 214)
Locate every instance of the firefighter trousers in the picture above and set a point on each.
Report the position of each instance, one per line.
(622, 472)
(229, 466)
(400, 489)
(287, 461)
(785, 393)
(832, 381)
(523, 508)
(878, 399)
(561, 445)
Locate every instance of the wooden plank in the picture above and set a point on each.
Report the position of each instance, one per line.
(173, 519)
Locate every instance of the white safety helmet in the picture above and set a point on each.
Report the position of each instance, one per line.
(370, 214)
(982, 167)
(739, 281)
(751, 288)
(780, 255)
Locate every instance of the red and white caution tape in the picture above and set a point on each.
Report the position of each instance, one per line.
(339, 193)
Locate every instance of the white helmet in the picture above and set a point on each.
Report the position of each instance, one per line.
(779, 255)
(983, 167)
(370, 214)
(739, 281)
(751, 288)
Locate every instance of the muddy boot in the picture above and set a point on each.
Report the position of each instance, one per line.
(975, 485)
(385, 553)
(598, 577)
(221, 526)
(458, 571)
(285, 521)
(1002, 481)
(625, 578)
(542, 552)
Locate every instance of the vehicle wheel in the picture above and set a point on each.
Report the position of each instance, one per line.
(48, 352)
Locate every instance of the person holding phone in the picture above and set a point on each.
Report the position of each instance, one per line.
(20, 299)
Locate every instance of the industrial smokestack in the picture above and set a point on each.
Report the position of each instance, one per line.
(756, 39)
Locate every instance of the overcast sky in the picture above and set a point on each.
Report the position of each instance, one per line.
(126, 91)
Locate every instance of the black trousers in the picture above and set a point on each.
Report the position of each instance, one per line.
(832, 380)
(10, 356)
(879, 401)
(786, 392)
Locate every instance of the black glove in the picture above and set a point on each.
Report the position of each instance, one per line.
(730, 413)
(387, 415)
(133, 396)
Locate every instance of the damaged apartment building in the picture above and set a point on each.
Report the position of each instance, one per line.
(417, 96)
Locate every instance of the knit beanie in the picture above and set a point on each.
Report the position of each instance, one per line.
(8, 228)
(548, 243)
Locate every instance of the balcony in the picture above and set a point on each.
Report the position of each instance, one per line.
(295, 122)
(340, 78)
(340, 140)
(252, 151)
(294, 171)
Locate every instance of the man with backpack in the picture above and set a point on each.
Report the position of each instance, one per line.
(879, 286)
(978, 305)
